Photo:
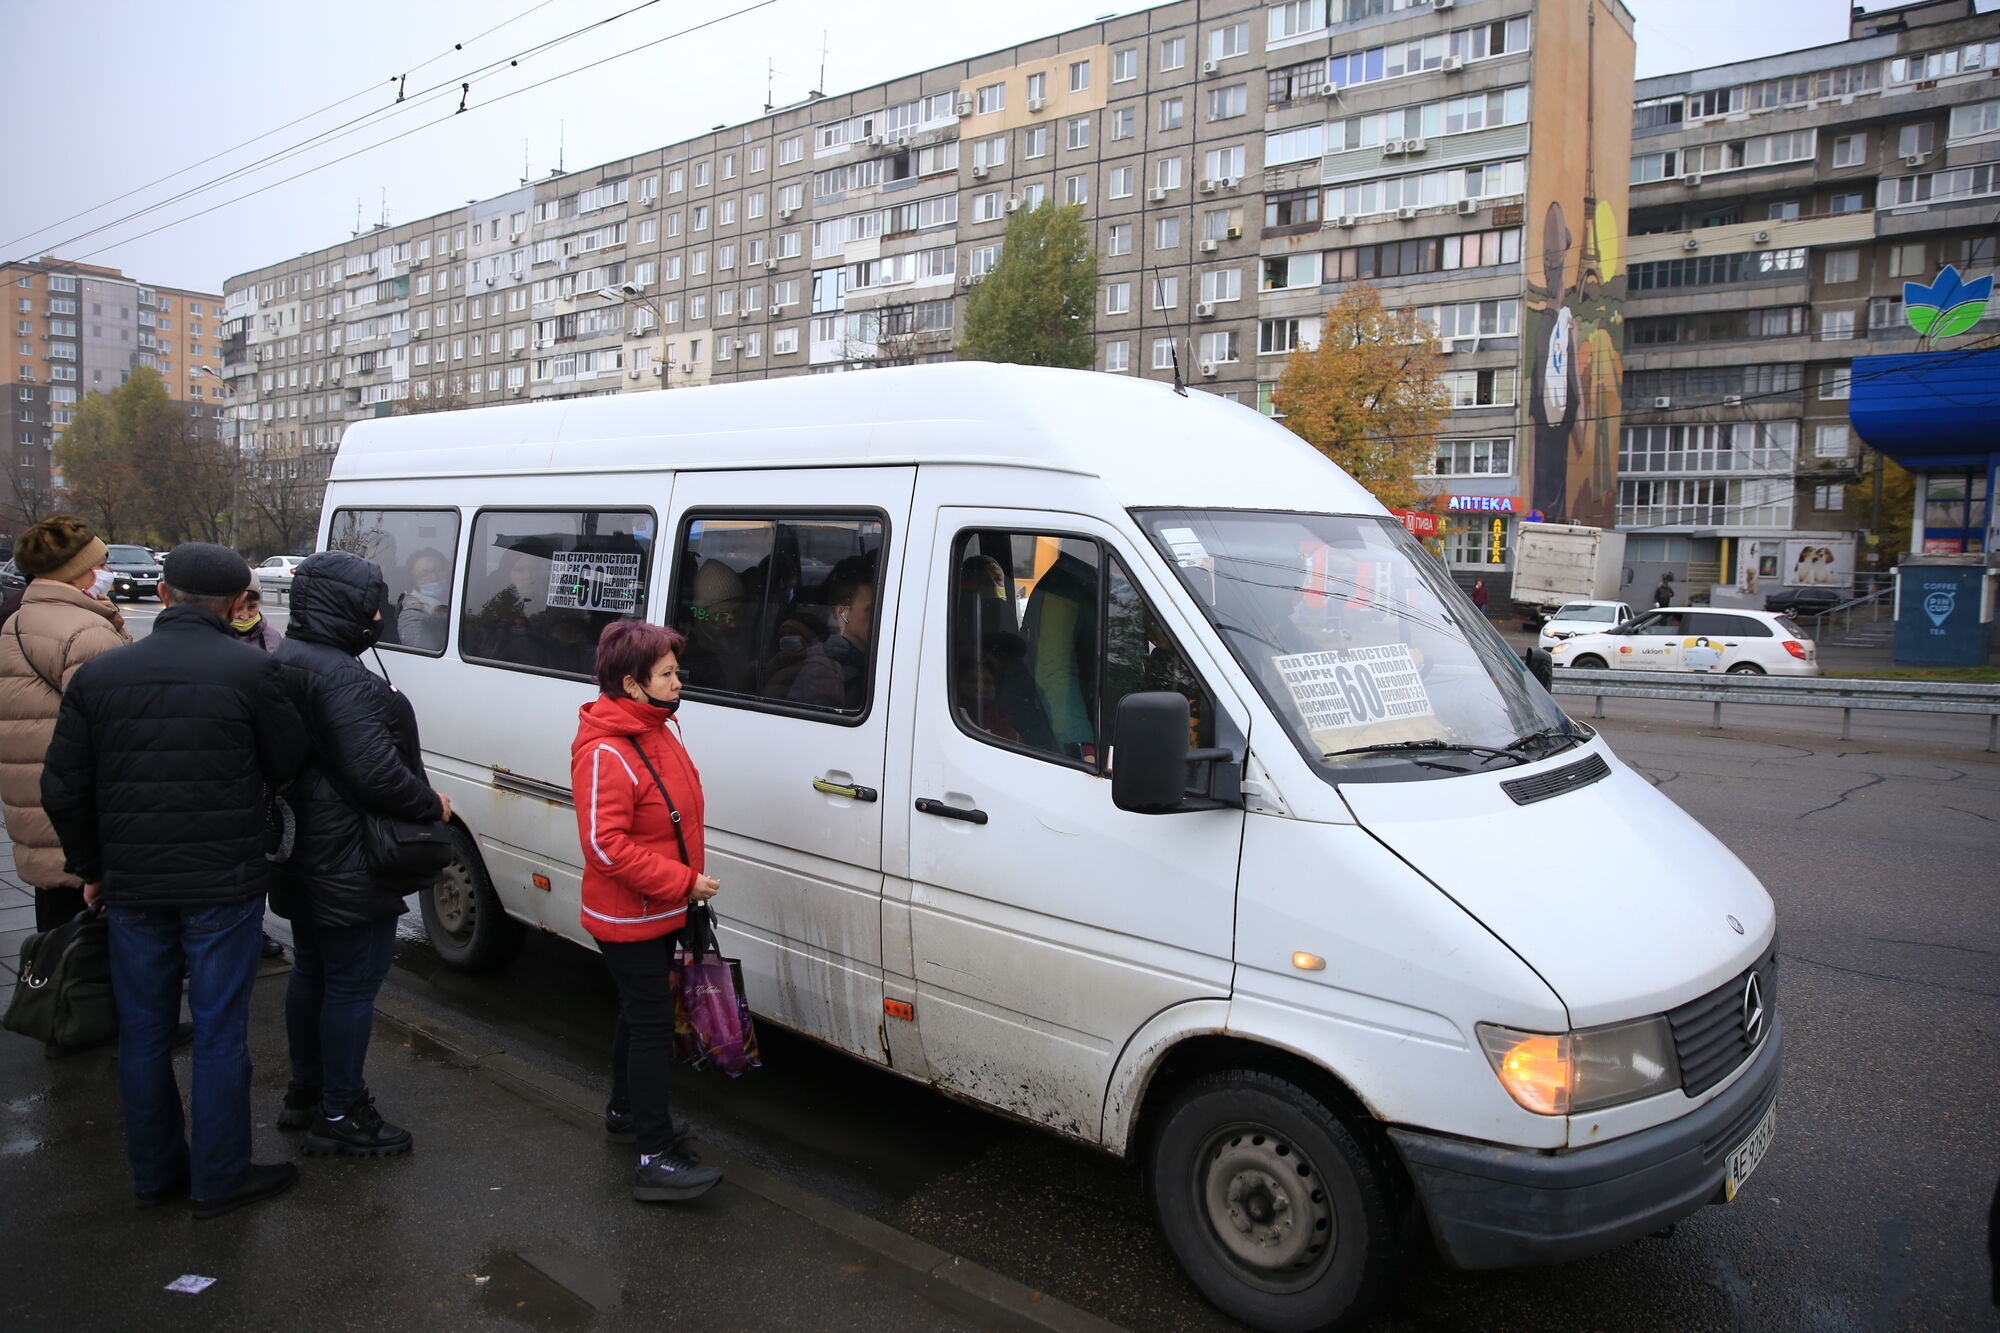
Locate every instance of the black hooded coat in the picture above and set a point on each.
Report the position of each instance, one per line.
(365, 753)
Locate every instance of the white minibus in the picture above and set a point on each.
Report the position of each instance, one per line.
(1104, 755)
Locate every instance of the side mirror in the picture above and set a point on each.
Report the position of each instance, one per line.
(1542, 667)
(1150, 756)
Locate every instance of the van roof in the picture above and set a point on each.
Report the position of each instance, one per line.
(1147, 444)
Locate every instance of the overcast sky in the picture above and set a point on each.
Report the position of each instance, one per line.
(128, 91)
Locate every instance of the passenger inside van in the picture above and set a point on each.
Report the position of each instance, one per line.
(716, 628)
(834, 673)
(423, 612)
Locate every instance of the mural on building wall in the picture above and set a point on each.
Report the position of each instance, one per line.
(1574, 320)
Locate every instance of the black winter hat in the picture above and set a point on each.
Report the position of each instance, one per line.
(205, 569)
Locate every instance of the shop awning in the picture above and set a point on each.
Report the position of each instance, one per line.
(1928, 409)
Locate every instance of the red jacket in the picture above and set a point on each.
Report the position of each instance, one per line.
(635, 884)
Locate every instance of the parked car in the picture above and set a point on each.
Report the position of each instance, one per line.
(12, 580)
(1588, 617)
(275, 574)
(134, 573)
(1696, 638)
(1804, 601)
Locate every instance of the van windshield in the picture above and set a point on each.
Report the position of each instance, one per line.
(1378, 665)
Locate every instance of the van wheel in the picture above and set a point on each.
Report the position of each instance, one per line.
(468, 927)
(1588, 663)
(1272, 1205)
(1746, 669)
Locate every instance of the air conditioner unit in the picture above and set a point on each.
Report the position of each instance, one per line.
(1157, 196)
(1208, 369)
(1013, 204)
(1692, 179)
(1210, 66)
(631, 374)
(1037, 103)
(1732, 400)
(1234, 233)
(518, 351)
(1413, 145)
(981, 172)
(965, 281)
(1393, 147)
(1467, 207)
(1406, 212)
(687, 367)
(520, 390)
(1344, 220)
(1444, 4)
(874, 141)
(964, 106)
(770, 266)
(1916, 159)
(1447, 345)
(1663, 402)
(786, 212)
(1208, 186)
(1452, 64)
(660, 371)
(1762, 238)
(1208, 247)
(1204, 310)
(1690, 244)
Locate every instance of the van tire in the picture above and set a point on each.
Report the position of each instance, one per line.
(1746, 669)
(1588, 663)
(462, 914)
(1276, 1209)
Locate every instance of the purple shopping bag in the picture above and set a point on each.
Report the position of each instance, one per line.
(711, 1018)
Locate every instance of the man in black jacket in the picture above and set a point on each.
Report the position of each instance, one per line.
(156, 783)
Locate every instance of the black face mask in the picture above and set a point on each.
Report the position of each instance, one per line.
(669, 707)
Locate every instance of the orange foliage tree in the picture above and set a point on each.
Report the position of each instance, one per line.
(1369, 395)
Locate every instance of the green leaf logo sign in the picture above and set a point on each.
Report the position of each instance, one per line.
(1949, 306)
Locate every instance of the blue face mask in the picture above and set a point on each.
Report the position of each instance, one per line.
(434, 591)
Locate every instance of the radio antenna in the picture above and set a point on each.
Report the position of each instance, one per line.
(1159, 291)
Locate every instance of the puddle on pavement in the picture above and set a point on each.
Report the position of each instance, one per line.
(517, 1292)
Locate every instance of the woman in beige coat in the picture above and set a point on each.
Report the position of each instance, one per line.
(64, 621)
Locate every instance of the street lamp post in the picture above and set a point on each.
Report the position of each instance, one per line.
(632, 294)
(236, 455)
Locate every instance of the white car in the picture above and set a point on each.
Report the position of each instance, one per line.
(275, 574)
(1574, 618)
(1696, 638)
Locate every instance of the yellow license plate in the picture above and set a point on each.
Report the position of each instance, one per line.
(1749, 1153)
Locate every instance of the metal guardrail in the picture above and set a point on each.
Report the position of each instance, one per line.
(1895, 696)
(1872, 601)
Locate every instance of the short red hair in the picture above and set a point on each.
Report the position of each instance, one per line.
(630, 648)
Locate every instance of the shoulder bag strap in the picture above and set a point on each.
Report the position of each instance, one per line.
(31, 661)
(672, 810)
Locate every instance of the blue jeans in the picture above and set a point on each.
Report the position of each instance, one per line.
(330, 1005)
(220, 946)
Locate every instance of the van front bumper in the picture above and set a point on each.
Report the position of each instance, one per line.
(1496, 1207)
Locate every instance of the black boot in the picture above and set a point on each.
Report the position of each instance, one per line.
(672, 1178)
(260, 1183)
(301, 1105)
(362, 1132)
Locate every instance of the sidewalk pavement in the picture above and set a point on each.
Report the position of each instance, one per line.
(511, 1212)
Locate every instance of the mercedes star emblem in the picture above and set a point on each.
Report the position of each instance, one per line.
(1753, 1011)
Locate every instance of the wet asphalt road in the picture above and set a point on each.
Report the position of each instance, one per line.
(1868, 1214)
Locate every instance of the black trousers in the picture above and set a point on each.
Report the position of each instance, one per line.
(642, 1044)
(55, 907)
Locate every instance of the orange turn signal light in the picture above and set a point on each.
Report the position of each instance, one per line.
(541, 882)
(899, 1009)
(1534, 1067)
(1308, 962)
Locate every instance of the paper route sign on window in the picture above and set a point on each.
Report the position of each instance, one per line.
(595, 580)
(1354, 687)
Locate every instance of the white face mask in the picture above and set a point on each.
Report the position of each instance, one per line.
(101, 585)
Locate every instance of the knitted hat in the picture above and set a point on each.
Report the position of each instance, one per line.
(205, 570)
(59, 548)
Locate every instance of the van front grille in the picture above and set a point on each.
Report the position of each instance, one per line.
(1713, 1034)
(1526, 791)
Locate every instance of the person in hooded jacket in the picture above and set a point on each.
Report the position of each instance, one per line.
(365, 758)
(639, 817)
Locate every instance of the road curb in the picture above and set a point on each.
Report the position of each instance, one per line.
(951, 1281)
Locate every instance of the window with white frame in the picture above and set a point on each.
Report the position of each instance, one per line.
(1117, 355)
(1979, 118)
(1834, 382)
(1829, 497)
(700, 174)
(1222, 163)
(1836, 325)
(1221, 284)
(1076, 189)
(1034, 195)
(990, 152)
(1228, 103)
(1907, 261)
(1851, 150)
(1125, 65)
(1219, 347)
(1296, 18)
(1167, 232)
(1120, 183)
(1118, 298)
(991, 98)
(1227, 41)
(784, 341)
(1038, 90)
(1163, 353)
(986, 207)
(1840, 266)
(1167, 173)
(1173, 112)
(1035, 141)
(1489, 457)
(1077, 132)
(1173, 53)
(1079, 76)
(1118, 239)
(1832, 442)
(981, 259)
(1166, 291)
(1122, 122)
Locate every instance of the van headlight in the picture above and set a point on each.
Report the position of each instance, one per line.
(1570, 1072)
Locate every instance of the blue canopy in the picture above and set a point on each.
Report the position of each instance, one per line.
(1929, 409)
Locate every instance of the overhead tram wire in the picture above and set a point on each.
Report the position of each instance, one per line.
(404, 134)
(310, 115)
(451, 86)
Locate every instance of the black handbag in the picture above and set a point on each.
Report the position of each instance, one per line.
(406, 848)
(63, 996)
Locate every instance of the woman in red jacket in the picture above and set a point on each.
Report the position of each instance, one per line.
(639, 816)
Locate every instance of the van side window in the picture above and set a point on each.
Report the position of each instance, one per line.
(780, 610)
(1047, 634)
(417, 550)
(541, 586)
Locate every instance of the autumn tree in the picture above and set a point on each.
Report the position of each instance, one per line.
(99, 480)
(1036, 307)
(279, 500)
(450, 398)
(1368, 395)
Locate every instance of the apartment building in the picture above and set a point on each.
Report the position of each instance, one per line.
(79, 329)
(1777, 208)
(1239, 164)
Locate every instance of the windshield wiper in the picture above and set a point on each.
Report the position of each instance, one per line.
(1562, 733)
(1448, 747)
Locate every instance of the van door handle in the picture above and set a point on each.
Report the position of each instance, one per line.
(851, 791)
(931, 807)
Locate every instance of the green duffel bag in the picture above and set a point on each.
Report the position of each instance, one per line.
(63, 995)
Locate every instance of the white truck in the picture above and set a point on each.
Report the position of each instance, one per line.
(1556, 563)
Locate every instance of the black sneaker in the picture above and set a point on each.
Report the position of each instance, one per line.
(672, 1178)
(623, 1127)
(301, 1105)
(154, 1198)
(271, 947)
(261, 1182)
(362, 1132)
